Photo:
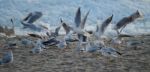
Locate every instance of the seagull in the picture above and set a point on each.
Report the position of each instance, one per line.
(10, 45)
(50, 42)
(69, 33)
(38, 47)
(108, 51)
(11, 31)
(7, 58)
(26, 42)
(79, 27)
(126, 20)
(79, 24)
(83, 40)
(90, 47)
(100, 30)
(134, 43)
(62, 44)
(30, 19)
(54, 34)
(35, 35)
(116, 41)
(66, 27)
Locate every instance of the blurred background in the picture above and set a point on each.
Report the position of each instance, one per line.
(53, 10)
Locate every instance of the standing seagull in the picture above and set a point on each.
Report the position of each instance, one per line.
(91, 47)
(7, 58)
(62, 44)
(126, 20)
(50, 42)
(38, 47)
(109, 52)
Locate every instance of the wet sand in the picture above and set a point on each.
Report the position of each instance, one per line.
(134, 59)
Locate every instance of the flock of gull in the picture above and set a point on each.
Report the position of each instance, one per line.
(86, 41)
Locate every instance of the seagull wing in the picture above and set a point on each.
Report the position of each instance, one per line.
(27, 17)
(106, 23)
(57, 30)
(78, 17)
(34, 16)
(84, 20)
(66, 28)
(35, 35)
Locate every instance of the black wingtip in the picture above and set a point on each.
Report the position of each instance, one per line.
(111, 16)
(77, 19)
(11, 20)
(79, 8)
(119, 53)
(61, 20)
(137, 11)
(78, 11)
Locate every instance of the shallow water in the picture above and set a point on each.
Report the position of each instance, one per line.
(54, 10)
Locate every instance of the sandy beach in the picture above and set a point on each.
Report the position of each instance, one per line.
(52, 59)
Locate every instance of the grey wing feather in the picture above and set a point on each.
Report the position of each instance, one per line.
(57, 30)
(97, 28)
(66, 27)
(122, 22)
(32, 17)
(35, 16)
(26, 18)
(12, 23)
(78, 17)
(106, 23)
(84, 20)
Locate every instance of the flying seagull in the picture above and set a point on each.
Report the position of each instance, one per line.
(30, 19)
(126, 20)
(101, 29)
(56, 33)
(69, 34)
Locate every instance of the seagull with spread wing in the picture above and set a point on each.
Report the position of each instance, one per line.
(28, 21)
(126, 20)
(69, 33)
(101, 29)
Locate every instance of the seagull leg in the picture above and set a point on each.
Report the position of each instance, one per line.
(117, 32)
(122, 28)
